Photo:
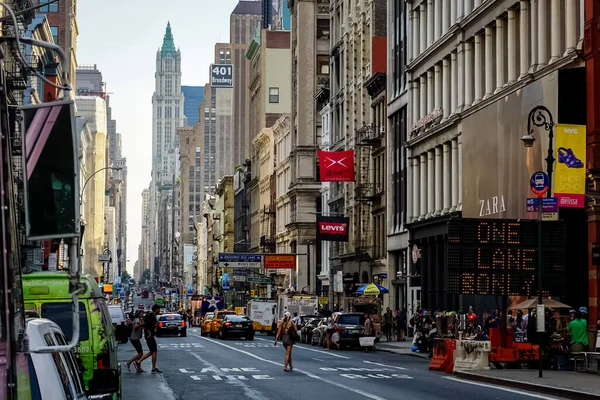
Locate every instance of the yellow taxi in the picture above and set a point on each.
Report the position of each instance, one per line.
(206, 324)
(215, 324)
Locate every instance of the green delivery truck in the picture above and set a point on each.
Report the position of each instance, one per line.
(47, 294)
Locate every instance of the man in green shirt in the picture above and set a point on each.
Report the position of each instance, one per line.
(578, 330)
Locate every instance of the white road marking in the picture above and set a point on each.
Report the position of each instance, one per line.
(385, 365)
(309, 374)
(505, 389)
(185, 371)
(296, 346)
(249, 392)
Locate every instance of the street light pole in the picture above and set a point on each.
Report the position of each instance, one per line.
(541, 116)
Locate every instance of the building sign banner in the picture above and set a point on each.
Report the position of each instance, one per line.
(569, 185)
(279, 261)
(336, 166)
(333, 229)
(221, 75)
(240, 260)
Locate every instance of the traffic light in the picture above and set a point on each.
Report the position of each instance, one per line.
(252, 293)
(101, 281)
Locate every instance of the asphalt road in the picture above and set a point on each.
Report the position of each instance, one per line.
(194, 367)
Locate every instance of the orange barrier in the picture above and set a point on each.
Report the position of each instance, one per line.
(443, 355)
(513, 352)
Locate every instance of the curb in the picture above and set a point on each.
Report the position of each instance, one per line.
(411, 354)
(532, 387)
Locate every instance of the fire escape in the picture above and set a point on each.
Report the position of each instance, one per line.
(267, 238)
(368, 191)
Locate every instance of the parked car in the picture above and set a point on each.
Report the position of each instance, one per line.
(307, 329)
(172, 324)
(47, 294)
(119, 321)
(318, 333)
(236, 326)
(54, 376)
(351, 327)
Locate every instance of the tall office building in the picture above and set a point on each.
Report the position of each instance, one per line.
(167, 116)
(193, 96)
(244, 20)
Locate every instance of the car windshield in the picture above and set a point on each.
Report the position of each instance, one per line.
(350, 320)
(62, 315)
(223, 315)
(236, 318)
(115, 312)
(170, 317)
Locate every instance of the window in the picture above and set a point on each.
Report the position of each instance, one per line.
(54, 30)
(52, 7)
(273, 95)
(61, 314)
(399, 52)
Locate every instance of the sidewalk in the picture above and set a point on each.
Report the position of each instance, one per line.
(402, 348)
(570, 385)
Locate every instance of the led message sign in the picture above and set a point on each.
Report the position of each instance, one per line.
(499, 257)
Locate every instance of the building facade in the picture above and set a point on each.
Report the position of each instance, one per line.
(193, 96)
(477, 64)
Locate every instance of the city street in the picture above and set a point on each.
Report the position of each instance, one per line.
(194, 367)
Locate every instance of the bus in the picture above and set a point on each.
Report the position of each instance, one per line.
(145, 294)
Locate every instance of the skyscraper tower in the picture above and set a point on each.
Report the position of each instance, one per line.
(167, 116)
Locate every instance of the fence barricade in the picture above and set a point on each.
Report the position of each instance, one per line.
(443, 355)
(472, 355)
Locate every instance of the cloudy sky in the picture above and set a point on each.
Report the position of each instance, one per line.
(121, 37)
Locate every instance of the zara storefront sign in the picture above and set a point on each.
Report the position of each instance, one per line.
(429, 119)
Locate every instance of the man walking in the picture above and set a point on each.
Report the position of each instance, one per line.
(149, 329)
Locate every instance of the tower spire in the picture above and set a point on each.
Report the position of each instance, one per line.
(168, 45)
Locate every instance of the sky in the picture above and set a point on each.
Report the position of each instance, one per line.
(121, 37)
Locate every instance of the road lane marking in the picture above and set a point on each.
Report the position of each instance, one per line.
(185, 371)
(385, 365)
(309, 374)
(249, 392)
(505, 389)
(296, 346)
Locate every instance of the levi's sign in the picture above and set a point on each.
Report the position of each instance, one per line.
(334, 229)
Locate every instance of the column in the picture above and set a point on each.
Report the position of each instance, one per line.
(571, 21)
(437, 17)
(524, 39)
(423, 96)
(454, 179)
(429, 92)
(533, 10)
(430, 183)
(500, 56)
(460, 77)
(422, 28)
(430, 23)
(415, 39)
(556, 45)
(447, 172)
(446, 88)
(438, 193)
(468, 75)
(452, 12)
(477, 4)
(415, 102)
(542, 33)
(416, 188)
(460, 166)
(445, 15)
(512, 47)
(478, 69)
(489, 62)
(460, 10)
(438, 86)
(467, 8)
(453, 83)
(581, 19)
(423, 185)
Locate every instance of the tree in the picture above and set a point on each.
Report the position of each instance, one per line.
(145, 278)
(125, 278)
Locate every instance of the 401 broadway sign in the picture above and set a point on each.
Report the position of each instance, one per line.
(333, 229)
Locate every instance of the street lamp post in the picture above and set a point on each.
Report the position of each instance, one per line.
(541, 117)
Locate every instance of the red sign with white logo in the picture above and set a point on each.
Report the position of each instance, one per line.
(333, 229)
(336, 166)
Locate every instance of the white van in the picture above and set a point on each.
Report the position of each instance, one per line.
(53, 376)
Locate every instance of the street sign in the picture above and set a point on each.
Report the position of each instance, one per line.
(253, 279)
(280, 261)
(539, 183)
(239, 260)
(549, 204)
(103, 258)
(239, 278)
(221, 75)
